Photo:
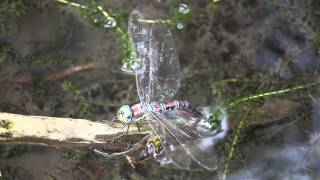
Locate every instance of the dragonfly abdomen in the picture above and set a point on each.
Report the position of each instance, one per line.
(140, 109)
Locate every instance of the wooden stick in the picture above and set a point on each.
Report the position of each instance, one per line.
(15, 128)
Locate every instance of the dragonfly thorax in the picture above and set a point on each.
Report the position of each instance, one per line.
(125, 114)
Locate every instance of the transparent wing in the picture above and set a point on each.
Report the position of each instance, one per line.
(139, 34)
(164, 64)
(172, 147)
(189, 135)
(158, 71)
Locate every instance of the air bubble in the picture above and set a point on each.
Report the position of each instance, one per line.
(96, 20)
(110, 23)
(180, 26)
(183, 8)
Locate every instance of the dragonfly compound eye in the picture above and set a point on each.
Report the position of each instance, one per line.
(125, 114)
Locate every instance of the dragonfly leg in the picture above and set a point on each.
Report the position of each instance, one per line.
(138, 126)
(127, 129)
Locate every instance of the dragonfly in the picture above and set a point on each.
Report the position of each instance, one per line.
(184, 136)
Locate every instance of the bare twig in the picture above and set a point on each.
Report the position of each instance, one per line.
(15, 128)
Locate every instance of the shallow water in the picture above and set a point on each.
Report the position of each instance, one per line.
(260, 46)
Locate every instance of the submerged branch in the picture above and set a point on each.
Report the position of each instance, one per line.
(71, 70)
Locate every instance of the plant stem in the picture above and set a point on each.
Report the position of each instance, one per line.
(233, 145)
(72, 4)
(278, 92)
(149, 21)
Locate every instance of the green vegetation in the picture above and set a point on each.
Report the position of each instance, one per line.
(101, 17)
(232, 102)
(237, 102)
(213, 6)
(85, 106)
(316, 42)
(182, 14)
(232, 147)
(71, 158)
(2, 177)
(257, 92)
(5, 52)
(97, 15)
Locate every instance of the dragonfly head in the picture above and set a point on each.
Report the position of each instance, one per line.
(124, 114)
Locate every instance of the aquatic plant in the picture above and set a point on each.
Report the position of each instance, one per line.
(232, 104)
(213, 6)
(85, 106)
(316, 42)
(256, 94)
(99, 16)
(71, 157)
(5, 52)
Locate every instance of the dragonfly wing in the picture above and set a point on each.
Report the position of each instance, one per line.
(164, 64)
(139, 34)
(158, 71)
(196, 141)
(172, 147)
